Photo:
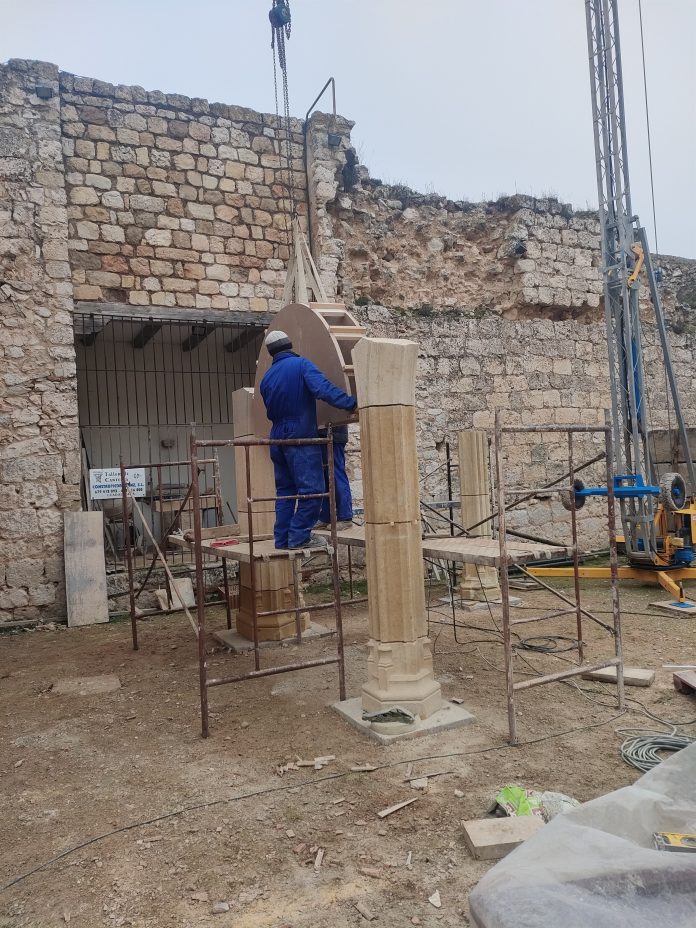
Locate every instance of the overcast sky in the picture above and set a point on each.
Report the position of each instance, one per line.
(468, 98)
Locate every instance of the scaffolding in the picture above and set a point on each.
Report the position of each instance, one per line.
(572, 606)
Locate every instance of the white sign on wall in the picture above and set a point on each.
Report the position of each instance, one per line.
(105, 482)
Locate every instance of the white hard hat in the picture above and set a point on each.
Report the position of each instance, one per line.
(277, 341)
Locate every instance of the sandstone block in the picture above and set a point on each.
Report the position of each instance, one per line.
(388, 435)
(395, 581)
(382, 375)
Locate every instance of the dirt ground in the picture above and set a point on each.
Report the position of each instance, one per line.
(77, 767)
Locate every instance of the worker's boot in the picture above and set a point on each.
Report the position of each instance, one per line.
(314, 541)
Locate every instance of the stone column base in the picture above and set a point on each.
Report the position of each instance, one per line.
(274, 590)
(401, 674)
(480, 584)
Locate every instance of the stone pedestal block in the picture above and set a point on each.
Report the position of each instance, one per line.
(273, 580)
(272, 627)
(477, 583)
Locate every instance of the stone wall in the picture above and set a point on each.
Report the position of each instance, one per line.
(39, 446)
(179, 202)
(117, 194)
(505, 302)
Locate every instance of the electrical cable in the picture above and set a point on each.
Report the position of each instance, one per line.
(294, 785)
(642, 750)
(547, 644)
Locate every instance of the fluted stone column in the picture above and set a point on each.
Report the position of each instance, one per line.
(274, 579)
(478, 583)
(399, 664)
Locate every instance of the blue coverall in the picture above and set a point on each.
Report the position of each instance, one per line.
(290, 389)
(344, 497)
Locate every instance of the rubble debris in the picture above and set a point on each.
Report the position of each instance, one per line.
(366, 912)
(435, 900)
(395, 808)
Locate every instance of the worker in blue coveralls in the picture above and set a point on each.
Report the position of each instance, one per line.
(344, 497)
(290, 390)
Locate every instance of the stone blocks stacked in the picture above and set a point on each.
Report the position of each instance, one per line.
(175, 201)
(399, 664)
(39, 444)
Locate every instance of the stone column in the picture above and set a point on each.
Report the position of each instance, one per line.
(479, 584)
(399, 664)
(274, 579)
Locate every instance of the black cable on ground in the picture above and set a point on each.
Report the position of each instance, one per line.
(293, 785)
(547, 644)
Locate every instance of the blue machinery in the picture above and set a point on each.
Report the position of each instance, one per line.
(657, 514)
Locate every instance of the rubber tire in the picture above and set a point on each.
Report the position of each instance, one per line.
(672, 491)
(566, 500)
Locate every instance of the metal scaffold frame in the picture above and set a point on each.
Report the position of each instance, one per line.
(252, 553)
(159, 547)
(573, 606)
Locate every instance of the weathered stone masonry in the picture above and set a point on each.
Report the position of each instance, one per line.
(117, 194)
(39, 446)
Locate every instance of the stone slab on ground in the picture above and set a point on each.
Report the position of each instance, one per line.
(493, 838)
(231, 639)
(87, 686)
(684, 681)
(450, 716)
(184, 587)
(633, 676)
(673, 605)
(477, 605)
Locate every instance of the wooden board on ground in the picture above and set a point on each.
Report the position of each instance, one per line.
(633, 676)
(493, 838)
(85, 570)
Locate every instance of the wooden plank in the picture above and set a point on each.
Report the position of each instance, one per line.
(493, 838)
(633, 676)
(85, 570)
(213, 317)
(395, 808)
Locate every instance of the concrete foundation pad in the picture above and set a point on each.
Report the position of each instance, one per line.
(87, 686)
(478, 605)
(673, 605)
(633, 676)
(234, 642)
(450, 716)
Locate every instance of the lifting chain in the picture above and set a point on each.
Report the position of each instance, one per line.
(281, 24)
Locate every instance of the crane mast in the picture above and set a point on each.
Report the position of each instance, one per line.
(625, 253)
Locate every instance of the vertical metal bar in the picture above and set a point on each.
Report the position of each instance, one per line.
(350, 571)
(452, 566)
(576, 559)
(334, 567)
(220, 520)
(296, 599)
(200, 585)
(252, 567)
(614, 567)
(667, 356)
(504, 578)
(129, 556)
